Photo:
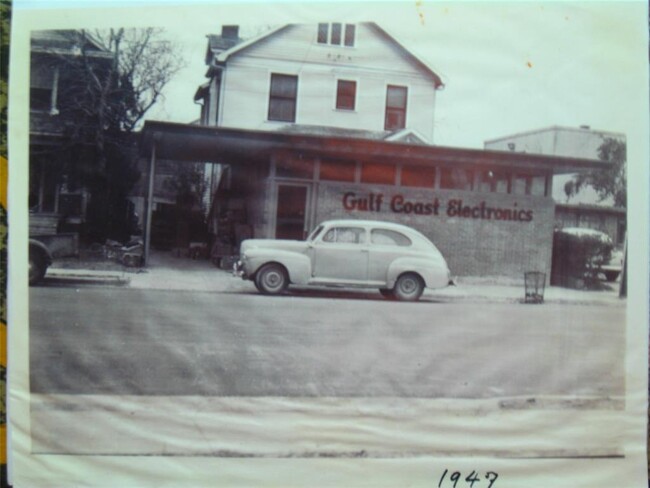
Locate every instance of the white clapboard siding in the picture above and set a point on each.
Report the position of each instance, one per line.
(373, 63)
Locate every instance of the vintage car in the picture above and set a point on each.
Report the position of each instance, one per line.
(398, 260)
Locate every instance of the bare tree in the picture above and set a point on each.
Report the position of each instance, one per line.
(107, 81)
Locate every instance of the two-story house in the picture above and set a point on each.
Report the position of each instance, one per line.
(329, 78)
(55, 198)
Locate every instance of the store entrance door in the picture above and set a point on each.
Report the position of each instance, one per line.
(291, 211)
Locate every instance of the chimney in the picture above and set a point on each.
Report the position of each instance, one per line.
(230, 31)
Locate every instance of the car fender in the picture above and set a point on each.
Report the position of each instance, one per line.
(297, 265)
(42, 248)
(434, 274)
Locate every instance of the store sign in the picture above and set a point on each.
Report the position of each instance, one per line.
(455, 207)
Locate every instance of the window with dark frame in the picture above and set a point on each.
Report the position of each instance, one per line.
(396, 97)
(282, 98)
(332, 170)
(323, 31)
(418, 176)
(456, 179)
(350, 30)
(336, 34)
(294, 167)
(346, 94)
(494, 181)
(383, 174)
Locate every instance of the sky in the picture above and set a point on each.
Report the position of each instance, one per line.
(507, 67)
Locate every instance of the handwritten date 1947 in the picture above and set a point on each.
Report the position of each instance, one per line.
(453, 479)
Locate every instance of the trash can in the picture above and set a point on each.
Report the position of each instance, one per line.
(534, 282)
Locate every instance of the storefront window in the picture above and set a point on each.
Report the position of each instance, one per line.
(538, 186)
(337, 170)
(418, 176)
(529, 185)
(521, 185)
(494, 181)
(456, 179)
(383, 174)
(294, 167)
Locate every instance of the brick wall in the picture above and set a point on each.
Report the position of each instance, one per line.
(472, 246)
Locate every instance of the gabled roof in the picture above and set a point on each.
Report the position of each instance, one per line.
(409, 136)
(223, 56)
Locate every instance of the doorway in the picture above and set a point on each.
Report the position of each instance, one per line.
(291, 211)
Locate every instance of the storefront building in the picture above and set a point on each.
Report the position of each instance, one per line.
(489, 212)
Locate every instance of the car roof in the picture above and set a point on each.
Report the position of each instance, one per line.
(370, 223)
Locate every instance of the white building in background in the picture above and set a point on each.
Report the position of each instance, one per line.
(585, 209)
(577, 142)
(327, 78)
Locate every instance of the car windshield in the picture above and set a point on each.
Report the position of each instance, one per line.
(314, 233)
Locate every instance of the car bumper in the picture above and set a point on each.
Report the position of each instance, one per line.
(238, 270)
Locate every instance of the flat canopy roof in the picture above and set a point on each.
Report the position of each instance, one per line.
(195, 143)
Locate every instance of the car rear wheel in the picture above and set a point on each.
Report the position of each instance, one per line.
(408, 287)
(271, 279)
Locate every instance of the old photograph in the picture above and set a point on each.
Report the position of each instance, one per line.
(345, 235)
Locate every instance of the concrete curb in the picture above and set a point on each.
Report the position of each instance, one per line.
(90, 276)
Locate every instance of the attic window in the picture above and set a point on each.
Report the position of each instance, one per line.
(336, 34)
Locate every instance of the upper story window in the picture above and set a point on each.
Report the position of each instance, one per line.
(282, 98)
(396, 97)
(43, 90)
(346, 94)
(336, 34)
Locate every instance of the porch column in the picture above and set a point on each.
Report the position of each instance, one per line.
(149, 202)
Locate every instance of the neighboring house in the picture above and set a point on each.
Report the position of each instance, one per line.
(584, 209)
(324, 79)
(55, 199)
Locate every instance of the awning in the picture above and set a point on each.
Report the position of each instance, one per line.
(185, 142)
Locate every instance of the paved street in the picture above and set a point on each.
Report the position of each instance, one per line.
(112, 340)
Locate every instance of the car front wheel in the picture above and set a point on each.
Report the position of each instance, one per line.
(271, 279)
(408, 288)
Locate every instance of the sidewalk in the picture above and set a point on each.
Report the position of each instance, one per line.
(166, 272)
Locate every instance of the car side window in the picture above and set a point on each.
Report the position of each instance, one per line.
(345, 235)
(385, 237)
